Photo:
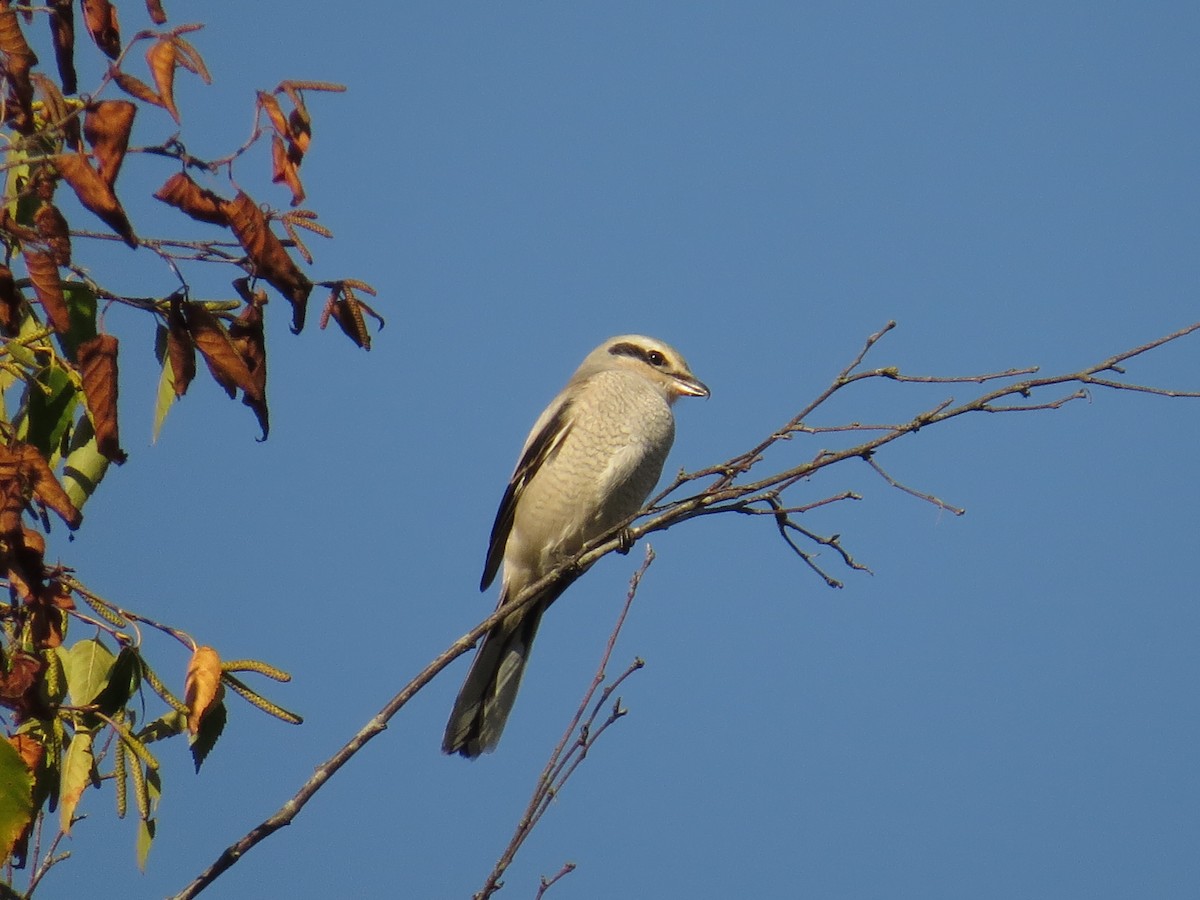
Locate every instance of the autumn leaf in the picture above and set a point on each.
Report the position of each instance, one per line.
(100, 16)
(246, 335)
(62, 33)
(24, 669)
(19, 60)
(283, 169)
(16, 797)
(200, 203)
(154, 9)
(202, 687)
(98, 371)
(10, 303)
(270, 260)
(95, 193)
(43, 274)
(161, 58)
(78, 771)
(135, 87)
(213, 341)
(106, 128)
(275, 113)
(181, 351)
(52, 228)
(23, 469)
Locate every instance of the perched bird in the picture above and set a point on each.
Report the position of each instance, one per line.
(589, 463)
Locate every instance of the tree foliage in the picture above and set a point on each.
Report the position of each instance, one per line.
(76, 712)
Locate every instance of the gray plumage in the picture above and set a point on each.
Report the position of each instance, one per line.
(590, 461)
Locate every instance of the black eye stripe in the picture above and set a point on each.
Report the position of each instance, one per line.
(650, 357)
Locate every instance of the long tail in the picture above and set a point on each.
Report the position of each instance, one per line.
(488, 694)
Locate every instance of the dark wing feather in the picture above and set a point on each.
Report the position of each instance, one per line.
(543, 446)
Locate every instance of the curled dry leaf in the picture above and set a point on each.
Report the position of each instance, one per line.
(162, 59)
(62, 33)
(30, 749)
(22, 471)
(200, 203)
(53, 229)
(95, 193)
(274, 112)
(189, 57)
(100, 16)
(136, 88)
(283, 169)
(19, 59)
(246, 335)
(301, 129)
(181, 351)
(98, 371)
(212, 340)
(43, 274)
(107, 127)
(270, 260)
(154, 9)
(23, 671)
(202, 687)
(10, 303)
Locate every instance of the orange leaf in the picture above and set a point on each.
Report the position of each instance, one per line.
(53, 229)
(202, 688)
(31, 751)
(10, 303)
(189, 57)
(62, 33)
(107, 128)
(284, 169)
(181, 351)
(95, 193)
(155, 10)
(161, 58)
(212, 340)
(43, 273)
(200, 203)
(136, 88)
(301, 129)
(270, 260)
(23, 671)
(98, 371)
(45, 486)
(275, 114)
(100, 16)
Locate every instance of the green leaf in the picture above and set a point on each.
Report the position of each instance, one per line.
(145, 837)
(81, 305)
(16, 797)
(205, 739)
(88, 666)
(164, 399)
(79, 770)
(167, 725)
(123, 682)
(52, 401)
(85, 465)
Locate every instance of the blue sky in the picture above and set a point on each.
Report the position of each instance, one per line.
(1006, 707)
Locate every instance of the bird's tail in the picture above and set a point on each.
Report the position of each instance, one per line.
(488, 694)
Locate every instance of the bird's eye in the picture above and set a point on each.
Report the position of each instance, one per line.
(656, 359)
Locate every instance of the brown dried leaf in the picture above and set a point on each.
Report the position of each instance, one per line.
(212, 340)
(301, 128)
(202, 686)
(275, 113)
(246, 334)
(98, 371)
(46, 487)
(95, 193)
(155, 10)
(270, 260)
(27, 574)
(53, 229)
(10, 303)
(31, 751)
(181, 351)
(107, 127)
(162, 59)
(19, 59)
(43, 273)
(136, 88)
(100, 16)
(23, 671)
(283, 169)
(347, 312)
(200, 203)
(12, 493)
(62, 33)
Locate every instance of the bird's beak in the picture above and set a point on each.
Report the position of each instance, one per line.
(691, 387)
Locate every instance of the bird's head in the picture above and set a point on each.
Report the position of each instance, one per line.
(654, 360)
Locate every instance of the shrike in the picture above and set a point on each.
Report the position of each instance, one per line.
(589, 463)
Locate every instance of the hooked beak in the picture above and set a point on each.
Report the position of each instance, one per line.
(691, 386)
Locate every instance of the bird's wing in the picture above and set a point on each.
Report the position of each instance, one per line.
(542, 445)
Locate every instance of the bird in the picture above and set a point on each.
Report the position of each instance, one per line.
(588, 464)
